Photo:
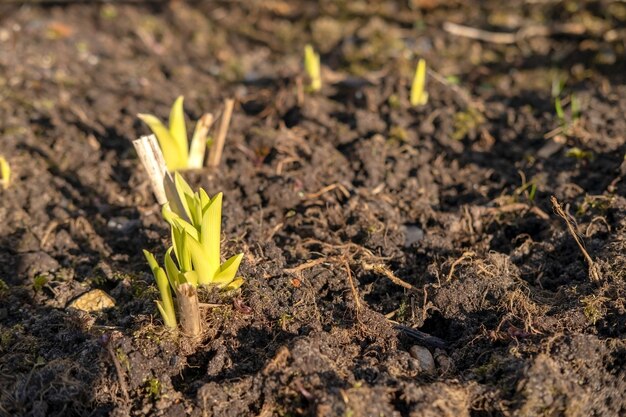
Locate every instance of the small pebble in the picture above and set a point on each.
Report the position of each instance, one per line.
(94, 300)
(425, 358)
(412, 234)
(122, 224)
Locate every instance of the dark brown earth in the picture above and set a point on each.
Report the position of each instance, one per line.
(360, 217)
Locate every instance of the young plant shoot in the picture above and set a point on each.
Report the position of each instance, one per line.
(177, 151)
(312, 68)
(194, 257)
(166, 304)
(5, 173)
(419, 95)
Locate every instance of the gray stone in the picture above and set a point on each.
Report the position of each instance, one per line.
(425, 358)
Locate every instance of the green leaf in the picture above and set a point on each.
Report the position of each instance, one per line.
(152, 262)
(167, 213)
(210, 232)
(171, 269)
(190, 277)
(205, 200)
(186, 227)
(312, 67)
(185, 256)
(183, 190)
(169, 317)
(195, 210)
(5, 173)
(205, 269)
(178, 129)
(228, 270)
(174, 201)
(419, 96)
(197, 148)
(234, 284)
(559, 109)
(173, 158)
(166, 305)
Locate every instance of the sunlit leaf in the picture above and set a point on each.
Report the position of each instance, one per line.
(419, 96)
(312, 67)
(169, 317)
(210, 234)
(5, 173)
(171, 152)
(171, 268)
(228, 270)
(152, 262)
(178, 129)
(186, 227)
(234, 284)
(206, 270)
(205, 200)
(166, 305)
(191, 277)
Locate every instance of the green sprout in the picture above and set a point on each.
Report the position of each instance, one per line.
(166, 303)
(194, 257)
(579, 154)
(560, 114)
(312, 68)
(565, 122)
(5, 173)
(575, 107)
(419, 95)
(177, 151)
(153, 388)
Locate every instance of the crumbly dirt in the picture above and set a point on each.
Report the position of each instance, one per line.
(398, 261)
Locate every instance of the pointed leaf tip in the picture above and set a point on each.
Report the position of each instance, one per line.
(178, 128)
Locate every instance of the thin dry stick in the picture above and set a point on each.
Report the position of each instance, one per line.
(307, 265)
(594, 274)
(188, 310)
(328, 188)
(382, 269)
(568, 28)
(152, 159)
(215, 153)
(466, 255)
(120, 373)
(479, 34)
(355, 293)
(198, 141)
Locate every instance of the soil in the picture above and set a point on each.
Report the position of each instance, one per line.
(398, 261)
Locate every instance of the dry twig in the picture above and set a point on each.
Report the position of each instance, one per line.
(355, 292)
(215, 153)
(119, 372)
(383, 270)
(509, 38)
(594, 273)
(466, 255)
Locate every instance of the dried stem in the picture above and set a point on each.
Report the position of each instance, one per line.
(594, 274)
(198, 141)
(215, 153)
(152, 159)
(383, 270)
(188, 310)
(120, 374)
(355, 292)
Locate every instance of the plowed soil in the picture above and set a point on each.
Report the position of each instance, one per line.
(399, 261)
